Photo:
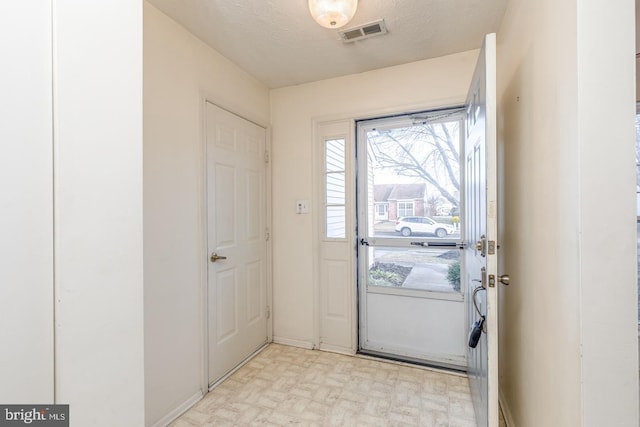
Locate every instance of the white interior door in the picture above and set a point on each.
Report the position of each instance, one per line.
(237, 251)
(411, 303)
(481, 227)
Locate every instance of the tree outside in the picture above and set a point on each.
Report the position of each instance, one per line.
(427, 151)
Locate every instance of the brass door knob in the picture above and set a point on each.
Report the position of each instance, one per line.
(215, 257)
(504, 279)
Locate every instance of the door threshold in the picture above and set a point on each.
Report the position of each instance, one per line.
(412, 363)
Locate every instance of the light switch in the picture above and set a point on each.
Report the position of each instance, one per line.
(302, 207)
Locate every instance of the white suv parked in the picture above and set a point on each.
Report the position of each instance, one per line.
(421, 224)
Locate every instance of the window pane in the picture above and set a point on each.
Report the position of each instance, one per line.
(415, 168)
(334, 154)
(335, 190)
(336, 222)
(429, 269)
(405, 209)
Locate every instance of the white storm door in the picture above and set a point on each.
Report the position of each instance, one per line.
(236, 241)
(481, 228)
(411, 304)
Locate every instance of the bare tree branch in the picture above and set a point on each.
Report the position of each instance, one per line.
(423, 151)
(404, 162)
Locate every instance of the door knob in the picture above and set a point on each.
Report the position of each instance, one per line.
(215, 257)
(504, 279)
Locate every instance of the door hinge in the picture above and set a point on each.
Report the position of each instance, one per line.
(266, 156)
(267, 234)
(268, 312)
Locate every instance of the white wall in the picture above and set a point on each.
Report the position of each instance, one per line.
(26, 209)
(568, 321)
(97, 85)
(606, 47)
(180, 72)
(420, 85)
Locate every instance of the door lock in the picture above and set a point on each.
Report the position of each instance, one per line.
(481, 245)
(483, 281)
(215, 257)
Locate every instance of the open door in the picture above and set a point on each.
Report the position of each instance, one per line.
(481, 231)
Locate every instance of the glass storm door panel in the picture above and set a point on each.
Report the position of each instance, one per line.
(480, 216)
(237, 251)
(409, 199)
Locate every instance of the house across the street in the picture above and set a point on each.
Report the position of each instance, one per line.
(394, 201)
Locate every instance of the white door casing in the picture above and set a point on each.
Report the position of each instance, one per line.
(236, 232)
(481, 227)
(334, 268)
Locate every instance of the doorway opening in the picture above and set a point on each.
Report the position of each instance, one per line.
(410, 234)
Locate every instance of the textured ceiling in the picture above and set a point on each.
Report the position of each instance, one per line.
(279, 43)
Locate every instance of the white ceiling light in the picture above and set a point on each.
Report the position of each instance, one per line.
(332, 13)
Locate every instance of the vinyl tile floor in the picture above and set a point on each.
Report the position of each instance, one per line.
(285, 386)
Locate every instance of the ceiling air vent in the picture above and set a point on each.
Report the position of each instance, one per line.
(365, 31)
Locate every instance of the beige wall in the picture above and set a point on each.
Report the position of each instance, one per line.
(568, 353)
(180, 72)
(420, 85)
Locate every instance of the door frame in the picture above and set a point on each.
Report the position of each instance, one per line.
(350, 117)
(347, 125)
(204, 231)
(456, 110)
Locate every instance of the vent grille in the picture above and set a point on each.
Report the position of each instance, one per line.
(365, 31)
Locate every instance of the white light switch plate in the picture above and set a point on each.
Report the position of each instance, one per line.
(302, 207)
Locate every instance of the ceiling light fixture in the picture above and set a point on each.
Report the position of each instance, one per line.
(333, 13)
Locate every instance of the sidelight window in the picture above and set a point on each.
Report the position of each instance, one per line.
(335, 188)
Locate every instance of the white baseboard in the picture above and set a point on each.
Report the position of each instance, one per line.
(293, 343)
(179, 410)
(508, 418)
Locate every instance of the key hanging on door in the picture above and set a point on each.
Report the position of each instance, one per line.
(476, 332)
(478, 326)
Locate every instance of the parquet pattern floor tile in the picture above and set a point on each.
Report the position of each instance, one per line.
(284, 386)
